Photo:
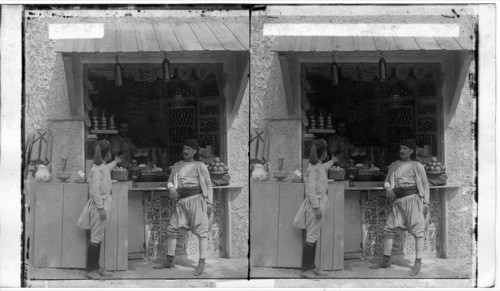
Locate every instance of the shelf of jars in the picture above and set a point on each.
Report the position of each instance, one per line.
(209, 114)
(399, 125)
(426, 118)
(181, 126)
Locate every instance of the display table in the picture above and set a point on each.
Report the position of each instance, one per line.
(275, 242)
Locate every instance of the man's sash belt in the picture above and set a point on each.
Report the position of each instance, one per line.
(406, 191)
(188, 192)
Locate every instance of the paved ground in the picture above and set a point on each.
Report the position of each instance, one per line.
(437, 273)
(359, 269)
(140, 273)
(449, 273)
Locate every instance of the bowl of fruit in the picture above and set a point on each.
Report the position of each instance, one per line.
(218, 172)
(436, 172)
(217, 167)
(434, 167)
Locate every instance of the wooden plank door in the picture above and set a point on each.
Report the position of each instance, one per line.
(48, 225)
(264, 224)
(74, 239)
(291, 196)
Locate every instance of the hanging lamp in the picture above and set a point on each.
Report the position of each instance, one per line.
(382, 68)
(165, 66)
(118, 73)
(334, 69)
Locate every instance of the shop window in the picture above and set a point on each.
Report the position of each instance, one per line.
(377, 113)
(160, 115)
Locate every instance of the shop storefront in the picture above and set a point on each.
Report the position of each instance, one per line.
(333, 80)
(168, 79)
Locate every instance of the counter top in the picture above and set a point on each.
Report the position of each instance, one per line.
(379, 186)
(162, 186)
(362, 186)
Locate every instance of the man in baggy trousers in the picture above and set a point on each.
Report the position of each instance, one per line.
(406, 184)
(190, 184)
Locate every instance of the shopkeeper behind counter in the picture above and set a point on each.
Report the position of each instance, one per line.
(339, 145)
(121, 145)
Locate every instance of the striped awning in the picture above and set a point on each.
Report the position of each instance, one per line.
(369, 43)
(156, 37)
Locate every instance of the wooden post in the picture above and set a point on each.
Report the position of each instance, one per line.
(289, 83)
(121, 206)
(444, 223)
(70, 83)
(462, 61)
(242, 62)
(444, 198)
(227, 223)
(338, 225)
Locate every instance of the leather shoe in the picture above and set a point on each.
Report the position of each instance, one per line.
(319, 273)
(307, 274)
(169, 263)
(200, 269)
(92, 275)
(104, 273)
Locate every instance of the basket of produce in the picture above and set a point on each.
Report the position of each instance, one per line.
(119, 173)
(219, 172)
(436, 172)
(336, 173)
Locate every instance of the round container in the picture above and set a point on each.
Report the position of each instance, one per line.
(280, 175)
(63, 177)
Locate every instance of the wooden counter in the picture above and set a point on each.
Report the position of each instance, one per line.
(159, 188)
(275, 242)
(54, 240)
(443, 193)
